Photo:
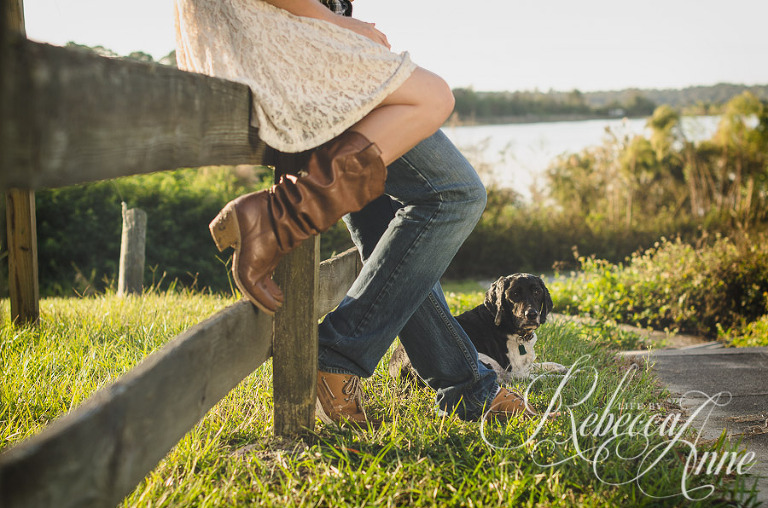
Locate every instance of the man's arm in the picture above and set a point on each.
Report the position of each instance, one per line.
(305, 8)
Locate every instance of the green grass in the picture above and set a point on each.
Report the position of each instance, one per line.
(416, 459)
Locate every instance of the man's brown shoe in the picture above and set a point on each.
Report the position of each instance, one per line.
(507, 404)
(340, 401)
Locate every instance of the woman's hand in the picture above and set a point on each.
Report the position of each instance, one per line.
(365, 29)
(314, 9)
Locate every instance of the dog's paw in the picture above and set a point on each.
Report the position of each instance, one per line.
(511, 377)
(559, 369)
(552, 367)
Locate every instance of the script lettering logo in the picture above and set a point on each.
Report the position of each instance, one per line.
(611, 434)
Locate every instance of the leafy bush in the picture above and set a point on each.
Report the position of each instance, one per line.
(629, 181)
(513, 237)
(624, 195)
(753, 334)
(721, 285)
(79, 229)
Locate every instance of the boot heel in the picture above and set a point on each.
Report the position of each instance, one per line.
(225, 229)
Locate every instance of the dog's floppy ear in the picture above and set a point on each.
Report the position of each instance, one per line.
(494, 299)
(547, 304)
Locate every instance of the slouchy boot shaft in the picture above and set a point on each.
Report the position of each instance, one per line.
(341, 177)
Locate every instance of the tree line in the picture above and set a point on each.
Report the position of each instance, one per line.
(499, 107)
(505, 107)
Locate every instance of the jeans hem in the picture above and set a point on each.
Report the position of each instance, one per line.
(336, 370)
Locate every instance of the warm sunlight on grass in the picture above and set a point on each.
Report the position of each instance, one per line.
(417, 459)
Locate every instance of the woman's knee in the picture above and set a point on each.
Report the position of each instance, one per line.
(429, 93)
(440, 98)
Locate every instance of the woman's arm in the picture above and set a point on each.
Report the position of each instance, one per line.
(314, 9)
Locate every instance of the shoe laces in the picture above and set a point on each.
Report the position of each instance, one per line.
(353, 388)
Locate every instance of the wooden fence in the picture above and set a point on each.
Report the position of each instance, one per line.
(68, 116)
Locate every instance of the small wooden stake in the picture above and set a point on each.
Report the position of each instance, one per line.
(132, 251)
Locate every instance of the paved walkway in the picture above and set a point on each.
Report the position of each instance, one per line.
(711, 368)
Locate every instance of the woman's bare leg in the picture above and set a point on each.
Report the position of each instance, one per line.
(413, 112)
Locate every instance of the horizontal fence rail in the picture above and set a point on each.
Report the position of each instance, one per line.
(98, 453)
(336, 276)
(70, 116)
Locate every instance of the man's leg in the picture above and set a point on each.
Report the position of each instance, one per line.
(407, 242)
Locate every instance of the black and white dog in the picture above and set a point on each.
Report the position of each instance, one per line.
(502, 329)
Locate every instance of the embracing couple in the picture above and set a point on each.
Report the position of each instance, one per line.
(327, 85)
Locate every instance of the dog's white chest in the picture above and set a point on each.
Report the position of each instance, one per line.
(521, 354)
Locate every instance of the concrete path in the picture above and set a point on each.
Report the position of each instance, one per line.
(741, 375)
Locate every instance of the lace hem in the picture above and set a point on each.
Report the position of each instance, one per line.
(311, 80)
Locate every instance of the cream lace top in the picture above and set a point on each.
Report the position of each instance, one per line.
(311, 80)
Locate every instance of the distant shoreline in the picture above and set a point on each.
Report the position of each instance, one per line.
(503, 120)
(513, 120)
(492, 108)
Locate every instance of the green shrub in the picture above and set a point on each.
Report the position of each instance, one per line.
(673, 285)
(514, 237)
(79, 229)
(753, 334)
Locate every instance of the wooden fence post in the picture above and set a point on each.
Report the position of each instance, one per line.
(22, 256)
(294, 346)
(20, 204)
(132, 251)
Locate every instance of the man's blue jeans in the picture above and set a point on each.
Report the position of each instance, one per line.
(407, 238)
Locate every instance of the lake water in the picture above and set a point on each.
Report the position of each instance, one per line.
(516, 155)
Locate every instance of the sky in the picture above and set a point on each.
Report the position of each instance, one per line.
(494, 45)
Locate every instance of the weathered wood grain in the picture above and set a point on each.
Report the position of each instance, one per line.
(336, 277)
(98, 453)
(68, 116)
(294, 350)
(133, 240)
(12, 16)
(12, 31)
(21, 226)
(23, 286)
(71, 116)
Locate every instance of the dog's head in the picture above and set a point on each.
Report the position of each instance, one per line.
(519, 302)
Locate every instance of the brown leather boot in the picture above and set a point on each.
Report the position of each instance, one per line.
(341, 177)
(340, 401)
(506, 404)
